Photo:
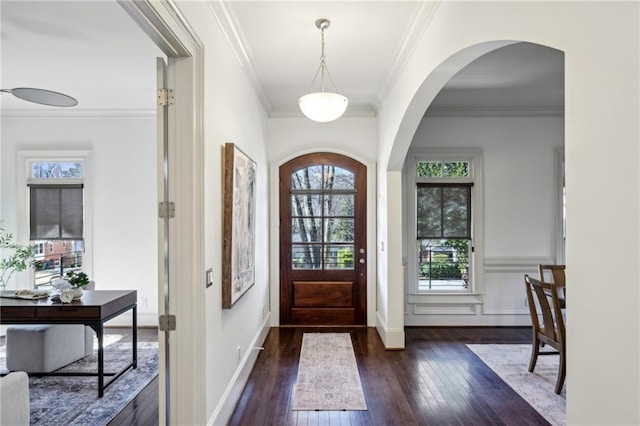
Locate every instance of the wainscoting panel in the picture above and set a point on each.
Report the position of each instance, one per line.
(499, 299)
(504, 284)
(428, 309)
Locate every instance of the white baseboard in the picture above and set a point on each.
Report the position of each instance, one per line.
(232, 393)
(467, 320)
(393, 338)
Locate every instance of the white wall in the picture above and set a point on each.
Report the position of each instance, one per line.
(120, 195)
(232, 114)
(351, 136)
(292, 136)
(600, 41)
(519, 187)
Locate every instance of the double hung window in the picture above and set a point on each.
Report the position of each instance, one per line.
(442, 222)
(56, 216)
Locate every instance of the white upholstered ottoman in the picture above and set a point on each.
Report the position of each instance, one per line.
(44, 348)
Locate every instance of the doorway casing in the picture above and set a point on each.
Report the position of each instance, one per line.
(184, 401)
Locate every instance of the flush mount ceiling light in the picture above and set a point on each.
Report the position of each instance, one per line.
(323, 106)
(42, 96)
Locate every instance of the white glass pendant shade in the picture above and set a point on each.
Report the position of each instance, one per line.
(323, 106)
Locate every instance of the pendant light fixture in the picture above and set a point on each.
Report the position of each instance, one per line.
(323, 106)
(42, 96)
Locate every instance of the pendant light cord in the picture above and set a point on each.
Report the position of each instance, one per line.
(323, 65)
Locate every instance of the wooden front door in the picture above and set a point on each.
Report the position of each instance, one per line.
(323, 270)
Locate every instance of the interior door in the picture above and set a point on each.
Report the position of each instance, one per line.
(323, 241)
(163, 242)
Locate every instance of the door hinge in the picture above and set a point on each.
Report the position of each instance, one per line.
(167, 322)
(166, 209)
(165, 97)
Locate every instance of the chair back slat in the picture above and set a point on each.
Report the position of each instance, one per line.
(548, 324)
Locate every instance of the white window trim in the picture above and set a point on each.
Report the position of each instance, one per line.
(476, 173)
(23, 172)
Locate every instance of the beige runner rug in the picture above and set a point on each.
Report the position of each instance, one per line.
(328, 376)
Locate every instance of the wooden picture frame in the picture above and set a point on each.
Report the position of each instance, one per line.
(239, 214)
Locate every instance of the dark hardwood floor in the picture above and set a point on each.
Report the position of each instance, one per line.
(435, 381)
(143, 409)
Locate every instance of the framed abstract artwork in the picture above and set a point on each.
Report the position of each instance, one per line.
(239, 218)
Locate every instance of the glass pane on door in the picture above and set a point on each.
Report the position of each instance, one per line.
(306, 256)
(338, 256)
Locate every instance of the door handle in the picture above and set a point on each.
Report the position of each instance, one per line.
(361, 260)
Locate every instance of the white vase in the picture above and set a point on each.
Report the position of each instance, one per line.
(77, 292)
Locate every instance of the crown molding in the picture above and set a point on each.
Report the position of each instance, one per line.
(78, 113)
(231, 29)
(515, 111)
(355, 111)
(352, 112)
(415, 30)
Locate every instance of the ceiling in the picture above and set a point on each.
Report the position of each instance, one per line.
(91, 50)
(94, 51)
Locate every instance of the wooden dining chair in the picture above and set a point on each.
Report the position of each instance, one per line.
(554, 274)
(548, 323)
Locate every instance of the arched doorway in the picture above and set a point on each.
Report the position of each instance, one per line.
(430, 83)
(323, 278)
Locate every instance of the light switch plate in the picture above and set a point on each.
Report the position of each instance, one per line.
(209, 274)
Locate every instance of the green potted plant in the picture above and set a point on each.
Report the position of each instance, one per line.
(77, 280)
(19, 257)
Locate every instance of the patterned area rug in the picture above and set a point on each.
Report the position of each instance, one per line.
(511, 363)
(328, 377)
(74, 400)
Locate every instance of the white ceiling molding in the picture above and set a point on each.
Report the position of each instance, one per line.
(516, 111)
(231, 29)
(75, 114)
(415, 30)
(352, 111)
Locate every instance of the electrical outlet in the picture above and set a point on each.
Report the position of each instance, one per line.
(526, 302)
(143, 301)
